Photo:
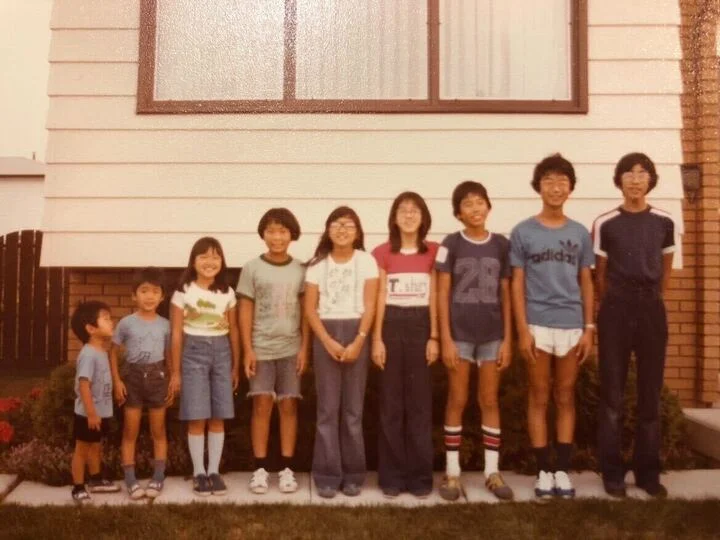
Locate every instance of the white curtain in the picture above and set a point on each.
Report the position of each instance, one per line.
(361, 49)
(219, 49)
(505, 49)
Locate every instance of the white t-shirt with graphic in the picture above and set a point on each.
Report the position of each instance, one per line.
(341, 286)
(204, 310)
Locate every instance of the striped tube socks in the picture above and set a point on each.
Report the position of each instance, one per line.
(491, 442)
(453, 436)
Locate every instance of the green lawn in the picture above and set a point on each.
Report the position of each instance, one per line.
(577, 520)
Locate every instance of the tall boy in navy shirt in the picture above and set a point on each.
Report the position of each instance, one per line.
(634, 247)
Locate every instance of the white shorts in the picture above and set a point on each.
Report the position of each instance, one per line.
(555, 341)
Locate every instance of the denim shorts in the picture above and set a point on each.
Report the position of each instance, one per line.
(206, 390)
(477, 353)
(277, 378)
(146, 384)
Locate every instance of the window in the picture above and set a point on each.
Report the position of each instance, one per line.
(363, 56)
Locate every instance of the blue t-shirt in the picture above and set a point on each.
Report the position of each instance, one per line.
(94, 366)
(552, 259)
(145, 341)
(476, 269)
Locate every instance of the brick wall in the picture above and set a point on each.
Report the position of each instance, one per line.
(694, 353)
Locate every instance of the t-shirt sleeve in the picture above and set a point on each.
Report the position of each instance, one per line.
(178, 299)
(120, 334)
(445, 258)
(168, 334)
(85, 368)
(380, 254)
(517, 251)
(246, 285)
(669, 240)
(505, 269)
(599, 240)
(587, 256)
(369, 268)
(231, 299)
(313, 273)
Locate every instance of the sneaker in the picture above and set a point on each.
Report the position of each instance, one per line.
(259, 481)
(544, 485)
(286, 481)
(351, 490)
(102, 485)
(135, 491)
(154, 488)
(326, 492)
(497, 486)
(451, 488)
(81, 496)
(390, 492)
(217, 484)
(656, 490)
(201, 485)
(563, 486)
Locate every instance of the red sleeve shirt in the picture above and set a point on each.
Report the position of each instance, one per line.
(408, 274)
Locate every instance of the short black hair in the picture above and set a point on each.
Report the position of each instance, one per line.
(86, 313)
(281, 216)
(628, 161)
(555, 163)
(152, 275)
(468, 187)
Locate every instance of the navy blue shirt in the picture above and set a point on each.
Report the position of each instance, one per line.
(476, 268)
(634, 244)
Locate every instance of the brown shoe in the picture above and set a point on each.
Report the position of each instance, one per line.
(497, 486)
(451, 488)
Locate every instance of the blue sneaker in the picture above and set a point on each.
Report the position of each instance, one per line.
(544, 485)
(563, 486)
(217, 484)
(201, 485)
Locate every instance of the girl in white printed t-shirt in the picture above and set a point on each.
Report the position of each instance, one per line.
(340, 294)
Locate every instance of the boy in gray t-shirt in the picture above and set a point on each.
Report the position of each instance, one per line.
(552, 293)
(92, 325)
(275, 343)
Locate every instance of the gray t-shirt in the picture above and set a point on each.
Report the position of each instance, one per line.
(552, 259)
(145, 341)
(275, 290)
(94, 366)
(476, 268)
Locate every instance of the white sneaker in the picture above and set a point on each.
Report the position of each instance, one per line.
(259, 481)
(563, 485)
(286, 481)
(545, 485)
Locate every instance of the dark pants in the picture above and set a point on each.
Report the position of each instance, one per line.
(339, 453)
(405, 452)
(631, 320)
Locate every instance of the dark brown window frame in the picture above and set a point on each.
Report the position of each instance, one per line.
(578, 102)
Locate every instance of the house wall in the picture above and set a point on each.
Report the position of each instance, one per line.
(140, 189)
(22, 204)
(695, 293)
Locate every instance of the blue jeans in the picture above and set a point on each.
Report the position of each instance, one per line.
(631, 320)
(339, 453)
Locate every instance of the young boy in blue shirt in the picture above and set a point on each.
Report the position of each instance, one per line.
(145, 336)
(552, 292)
(92, 325)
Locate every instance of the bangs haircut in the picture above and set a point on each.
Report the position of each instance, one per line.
(425, 222)
(280, 216)
(628, 161)
(557, 164)
(220, 283)
(152, 275)
(86, 313)
(325, 244)
(468, 187)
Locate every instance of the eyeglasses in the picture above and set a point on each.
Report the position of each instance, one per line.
(346, 226)
(408, 212)
(641, 176)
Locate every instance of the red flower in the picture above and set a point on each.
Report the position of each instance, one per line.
(6, 432)
(9, 404)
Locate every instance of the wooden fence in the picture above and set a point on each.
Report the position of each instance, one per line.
(33, 306)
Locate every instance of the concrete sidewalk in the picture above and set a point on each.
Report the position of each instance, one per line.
(697, 484)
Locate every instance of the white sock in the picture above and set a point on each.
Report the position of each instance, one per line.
(452, 463)
(196, 444)
(452, 457)
(215, 448)
(492, 456)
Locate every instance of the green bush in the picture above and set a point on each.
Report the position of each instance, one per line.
(47, 435)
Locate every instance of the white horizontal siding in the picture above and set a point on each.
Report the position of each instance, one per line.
(331, 181)
(141, 189)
